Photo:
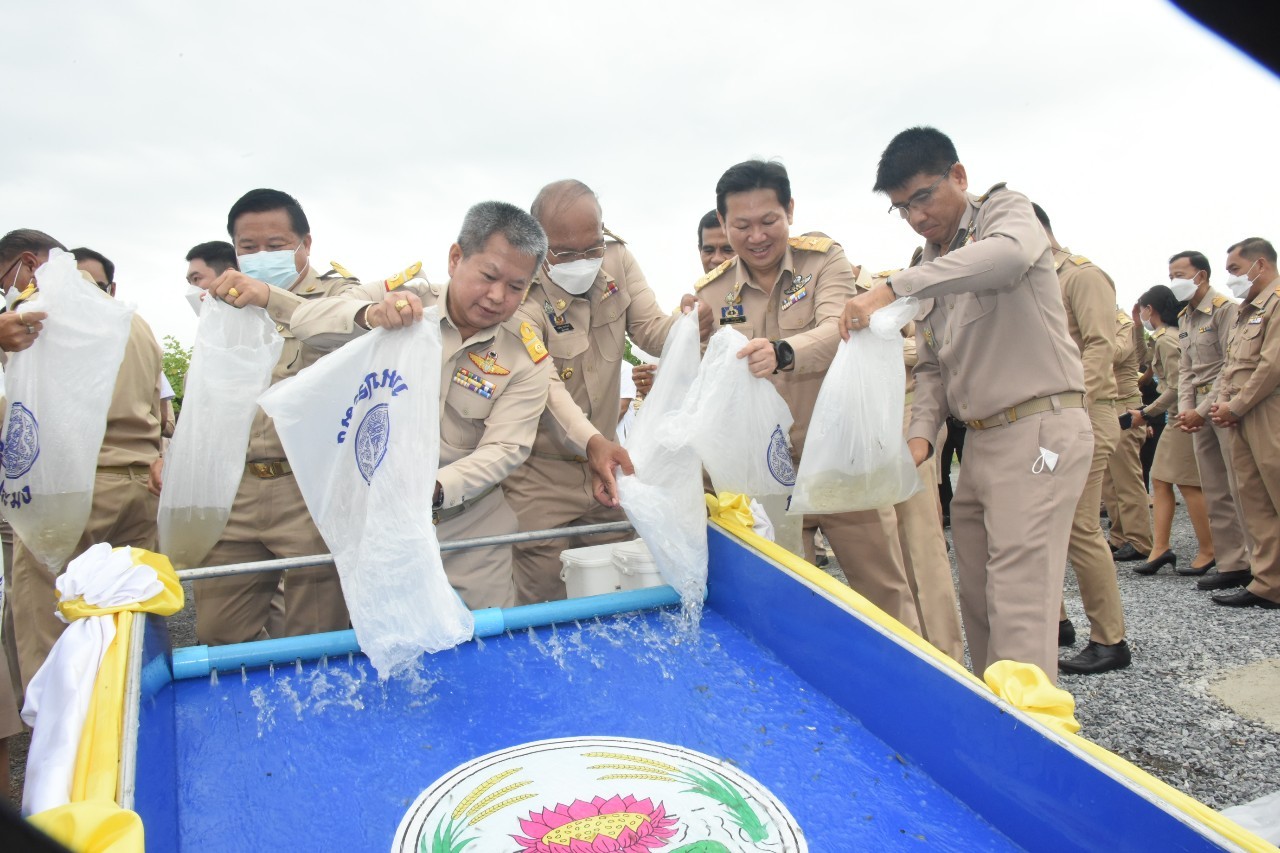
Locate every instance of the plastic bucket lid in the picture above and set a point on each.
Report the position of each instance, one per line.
(633, 558)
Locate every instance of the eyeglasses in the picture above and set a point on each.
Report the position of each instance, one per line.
(921, 198)
(588, 255)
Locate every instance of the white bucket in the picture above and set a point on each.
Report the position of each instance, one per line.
(635, 564)
(589, 571)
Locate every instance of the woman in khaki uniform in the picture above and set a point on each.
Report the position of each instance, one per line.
(1175, 461)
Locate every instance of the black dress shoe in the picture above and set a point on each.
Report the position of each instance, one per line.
(1128, 553)
(1196, 571)
(1112, 547)
(822, 561)
(1066, 633)
(1225, 580)
(1168, 558)
(1097, 658)
(1243, 598)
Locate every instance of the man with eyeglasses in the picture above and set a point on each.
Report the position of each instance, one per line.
(123, 511)
(993, 351)
(586, 297)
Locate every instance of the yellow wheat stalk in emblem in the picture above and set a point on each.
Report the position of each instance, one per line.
(484, 786)
(496, 795)
(635, 759)
(645, 776)
(500, 806)
(620, 767)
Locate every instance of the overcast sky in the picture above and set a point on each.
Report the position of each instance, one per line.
(131, 127)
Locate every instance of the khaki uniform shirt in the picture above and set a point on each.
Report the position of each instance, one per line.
(802, 307)
(994, 334)
(1202, 335)
(585, 336)
(1127, 362)
(1164, 366)
(493, 385)
(264, 443)
(1089, 295)
(1251, 372)
(133, 419)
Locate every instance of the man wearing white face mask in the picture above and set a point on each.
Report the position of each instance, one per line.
(269, 518)
(1203, 327)
(1248, 404)
(586, 297)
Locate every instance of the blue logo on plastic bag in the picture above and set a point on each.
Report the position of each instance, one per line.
(780, 459)
(21, 442)
(371, 440)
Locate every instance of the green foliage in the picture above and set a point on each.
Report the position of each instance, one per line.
(445, 839)
(718, 788)
(703, 847)
(627, 354)
(175, 361)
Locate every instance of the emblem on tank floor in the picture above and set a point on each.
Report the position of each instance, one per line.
(780, 459)
(371, 440)
(597, 794)
(21, 442)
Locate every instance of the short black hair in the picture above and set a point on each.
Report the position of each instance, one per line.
(263, 200)
(83, 254)
(26, 240)
(753, 175)
(914, 150)
(1254, 248)
(1042, 216)
(219, 255)
(1197, 260)
(1161, 300)
(709, 220)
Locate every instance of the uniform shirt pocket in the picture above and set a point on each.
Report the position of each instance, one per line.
(462, 424)
(972, 307)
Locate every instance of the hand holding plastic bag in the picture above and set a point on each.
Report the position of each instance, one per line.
(59, 391)
(741, 423)
(235, 351)
(361, 428)
(663, 498)
(855, 456)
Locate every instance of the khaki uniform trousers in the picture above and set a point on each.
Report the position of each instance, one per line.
(866, 547)
(10, 721)
(1087, 549)
(482, 576)
(1255, 455)
(547, 493)
(1218, 480)
(1123, 490)
(269, 520)
(1010, 526)
(123, 513)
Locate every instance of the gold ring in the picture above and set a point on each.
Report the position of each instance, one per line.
(233, 293)
(402, 304)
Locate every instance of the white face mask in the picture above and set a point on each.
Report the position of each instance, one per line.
(1239, 285)
(576, 277)
(277, 269)
(1183, 289)
(1146, 324)
(193, 297)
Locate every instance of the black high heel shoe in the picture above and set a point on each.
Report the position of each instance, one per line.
(1196, 571)
(1168, 558)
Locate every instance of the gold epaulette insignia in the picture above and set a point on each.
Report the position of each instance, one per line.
(1120, 315)
(401, 277)
(811, 243)
(711, 276)
(1184, 311)
(340, 269)
(29, 292)
(885, 273)
(1219, 301)
(1079, 260)
(989, 193)
(537, 349)
(609, 233)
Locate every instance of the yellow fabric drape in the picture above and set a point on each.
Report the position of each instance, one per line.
(1022, 685)
(92, 822)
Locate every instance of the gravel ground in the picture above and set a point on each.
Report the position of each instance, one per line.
(1159, 713)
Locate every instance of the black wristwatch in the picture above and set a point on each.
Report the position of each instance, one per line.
(784, 355)
(438, 500)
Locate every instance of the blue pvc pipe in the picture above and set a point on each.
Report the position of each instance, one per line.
(198, 661)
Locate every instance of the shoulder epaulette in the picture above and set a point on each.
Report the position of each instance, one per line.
(885, 273)
(532, 343)
(29, 292)
(1186, 308)
(1079, 260)
(401, 277)
(989, 193)
(917, 255)
(812, 243)
(339, 269)
(711, 276)
(1219, 301)
(1120, 315)
(609, 233)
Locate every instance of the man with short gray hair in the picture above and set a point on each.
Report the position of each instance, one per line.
(495, 373)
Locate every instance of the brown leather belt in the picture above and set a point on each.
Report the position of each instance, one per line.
(270, 469)
(1070, 400)
(439, 515)
(126, 470)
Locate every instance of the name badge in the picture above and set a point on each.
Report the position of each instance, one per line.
(558, 321)
(732, 314)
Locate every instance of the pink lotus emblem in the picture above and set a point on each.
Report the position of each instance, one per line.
(615, 825)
